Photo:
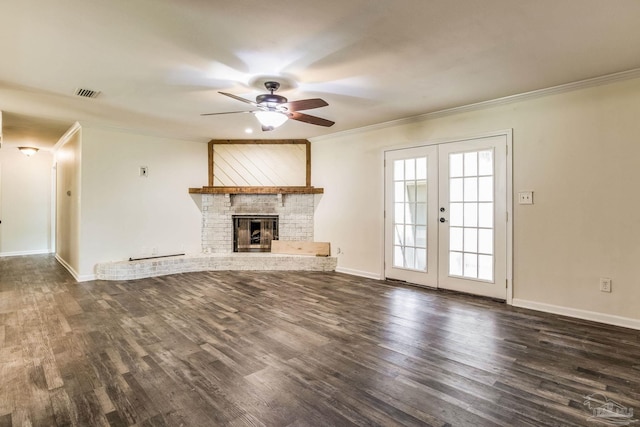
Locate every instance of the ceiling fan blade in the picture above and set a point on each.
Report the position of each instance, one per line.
(226, 112)
(230, 95)
(301, 117)
(305, 104)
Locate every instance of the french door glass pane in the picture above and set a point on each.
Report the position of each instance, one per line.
(398, 215)
(470, 265)
(456, 238)
(399, 234)
(470, 190)
(410, 213)
(398, 170)
(409, 257)
(421, 213)
(421, 168)
(485, 163)
(410, 169)
(485, 189)
(471, 164)
(456, 190)
(421, 259)
(471, 240)
(455, 263)
(456, 214)
(410, 236)
(398, 256)
(485, 267)
(471, 215)
(485, 215)
(399, 193)
(455, 165)
(421, 191)
(421, 236)
(485, 241)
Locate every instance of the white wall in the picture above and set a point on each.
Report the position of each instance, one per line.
(25, 201)
(577, 150)
(125, 215)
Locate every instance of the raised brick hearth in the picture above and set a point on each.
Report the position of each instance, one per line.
(129, 270)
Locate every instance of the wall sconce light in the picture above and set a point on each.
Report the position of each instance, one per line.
(28, 151)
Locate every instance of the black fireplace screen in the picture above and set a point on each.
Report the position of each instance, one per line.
(254, 233)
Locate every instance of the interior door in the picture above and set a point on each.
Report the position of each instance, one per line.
(446, 216)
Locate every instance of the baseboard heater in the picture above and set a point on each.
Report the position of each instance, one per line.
(154, 257)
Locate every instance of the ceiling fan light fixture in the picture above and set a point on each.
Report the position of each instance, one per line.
(28, 151)
(273, 110)
(271, 119)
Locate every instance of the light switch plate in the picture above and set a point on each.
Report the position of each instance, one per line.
(525, 198)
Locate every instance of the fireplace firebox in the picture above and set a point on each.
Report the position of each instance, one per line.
(254, 233)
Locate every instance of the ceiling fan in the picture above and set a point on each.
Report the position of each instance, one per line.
(273, 110)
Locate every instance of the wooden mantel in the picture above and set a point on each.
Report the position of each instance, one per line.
(256, 190)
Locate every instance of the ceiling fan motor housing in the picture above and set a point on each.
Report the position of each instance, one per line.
(270, 98)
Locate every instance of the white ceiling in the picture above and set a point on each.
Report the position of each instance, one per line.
(160, 63)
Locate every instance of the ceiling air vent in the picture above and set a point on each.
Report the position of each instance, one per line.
(86, 93)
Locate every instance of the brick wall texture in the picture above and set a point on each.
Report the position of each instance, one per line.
(294, 211)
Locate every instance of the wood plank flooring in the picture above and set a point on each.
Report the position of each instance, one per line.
(292, 349)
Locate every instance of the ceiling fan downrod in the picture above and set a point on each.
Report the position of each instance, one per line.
(271, 98)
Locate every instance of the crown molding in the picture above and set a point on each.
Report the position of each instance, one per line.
(538, 93)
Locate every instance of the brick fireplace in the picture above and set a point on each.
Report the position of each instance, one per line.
(293, 211)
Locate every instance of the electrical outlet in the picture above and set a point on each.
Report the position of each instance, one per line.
(144, 171)
(525, 198)
(605, 284)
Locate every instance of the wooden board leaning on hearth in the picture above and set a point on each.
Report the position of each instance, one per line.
(291, 247)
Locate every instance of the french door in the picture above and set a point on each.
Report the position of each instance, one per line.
(446, 216)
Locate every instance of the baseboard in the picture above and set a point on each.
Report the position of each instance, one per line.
(595, 316)
(359, 273)
(66, 265)
(25, 253)
(86, 278)
(79, 278)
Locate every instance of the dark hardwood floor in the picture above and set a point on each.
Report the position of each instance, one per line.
(292, 349)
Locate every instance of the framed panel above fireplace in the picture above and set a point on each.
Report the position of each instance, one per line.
(259, 163)
(257, 166)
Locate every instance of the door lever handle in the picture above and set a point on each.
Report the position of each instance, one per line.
(443, 220)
